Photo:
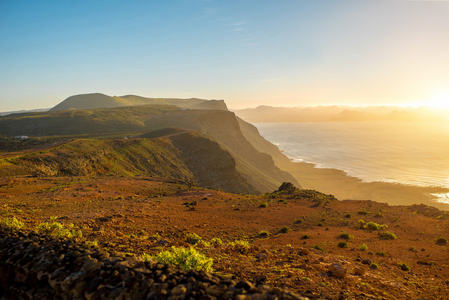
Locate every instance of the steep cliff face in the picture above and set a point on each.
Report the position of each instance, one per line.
(212, 166)
(222, 126)
(253, 136)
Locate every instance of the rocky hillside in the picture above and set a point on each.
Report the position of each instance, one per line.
(258, 168)
(186, 157)
(222, 126)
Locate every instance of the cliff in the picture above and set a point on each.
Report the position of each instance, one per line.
(221, 126)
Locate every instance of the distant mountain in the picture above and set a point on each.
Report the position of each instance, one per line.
(23, 111)
(97, 100)
(268, 114)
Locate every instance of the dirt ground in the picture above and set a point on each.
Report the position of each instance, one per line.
(289, 240)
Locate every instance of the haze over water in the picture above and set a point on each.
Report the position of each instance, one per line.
(414, 153)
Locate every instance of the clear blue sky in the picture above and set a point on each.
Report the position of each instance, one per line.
(247, 52)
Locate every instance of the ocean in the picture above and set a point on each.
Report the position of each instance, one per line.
(413, 153)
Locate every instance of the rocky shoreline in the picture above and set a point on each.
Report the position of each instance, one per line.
(34, 266)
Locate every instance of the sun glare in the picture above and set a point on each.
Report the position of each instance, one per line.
(439, 100)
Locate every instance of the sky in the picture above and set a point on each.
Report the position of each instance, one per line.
(247, 52)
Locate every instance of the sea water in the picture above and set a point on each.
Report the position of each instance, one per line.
(414, 153)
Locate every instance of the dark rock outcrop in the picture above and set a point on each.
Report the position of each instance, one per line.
(40, 267)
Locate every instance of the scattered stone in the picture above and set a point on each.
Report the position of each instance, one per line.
(337, 271)
(359, 271)
(367, 261)
(162, 242)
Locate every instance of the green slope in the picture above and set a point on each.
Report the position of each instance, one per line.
(187, 157)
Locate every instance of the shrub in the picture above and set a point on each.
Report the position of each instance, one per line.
(283, 201)
(58, 230)
(387, 236)
(11, 223)
(348, 216)
(193, 238)
(216, 241)
(305, 237)
(239, 245)
(362, 247)
(264, 233)
(362, 212)
(361, 224)
(263, 205)
(343, 245)
(93, 243)
(441, 241)
(346, 236)
(318, 247)
(285, 229)
(186, 258)
(371, 226)
(404, 267)
(298, 221)
(374, 266)
(381, 254)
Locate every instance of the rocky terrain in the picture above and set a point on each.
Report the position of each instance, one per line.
(41, 267)
(310, 243)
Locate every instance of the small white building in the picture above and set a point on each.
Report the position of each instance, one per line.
(22, 137)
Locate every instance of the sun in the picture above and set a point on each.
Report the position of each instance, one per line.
(439, 99)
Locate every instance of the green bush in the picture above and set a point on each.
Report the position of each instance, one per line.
(381, 254)
(404, 267)
(239, 244)
(305, 237)
(11, 223)
(186, 258)
(318, 247)
(285, 229)
(363, 247)
(348, 216)
(346, 236)
(57, 229)
(263, 205)
(193, 238)
(298, 221)
(374, 266)
(387, 236)
(216, 241)
(343, 245)
(264, 233)
(362, 212)
(371, 226)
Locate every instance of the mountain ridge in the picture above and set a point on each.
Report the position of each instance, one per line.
(99, 100)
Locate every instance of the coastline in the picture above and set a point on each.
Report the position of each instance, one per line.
(345, 187)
